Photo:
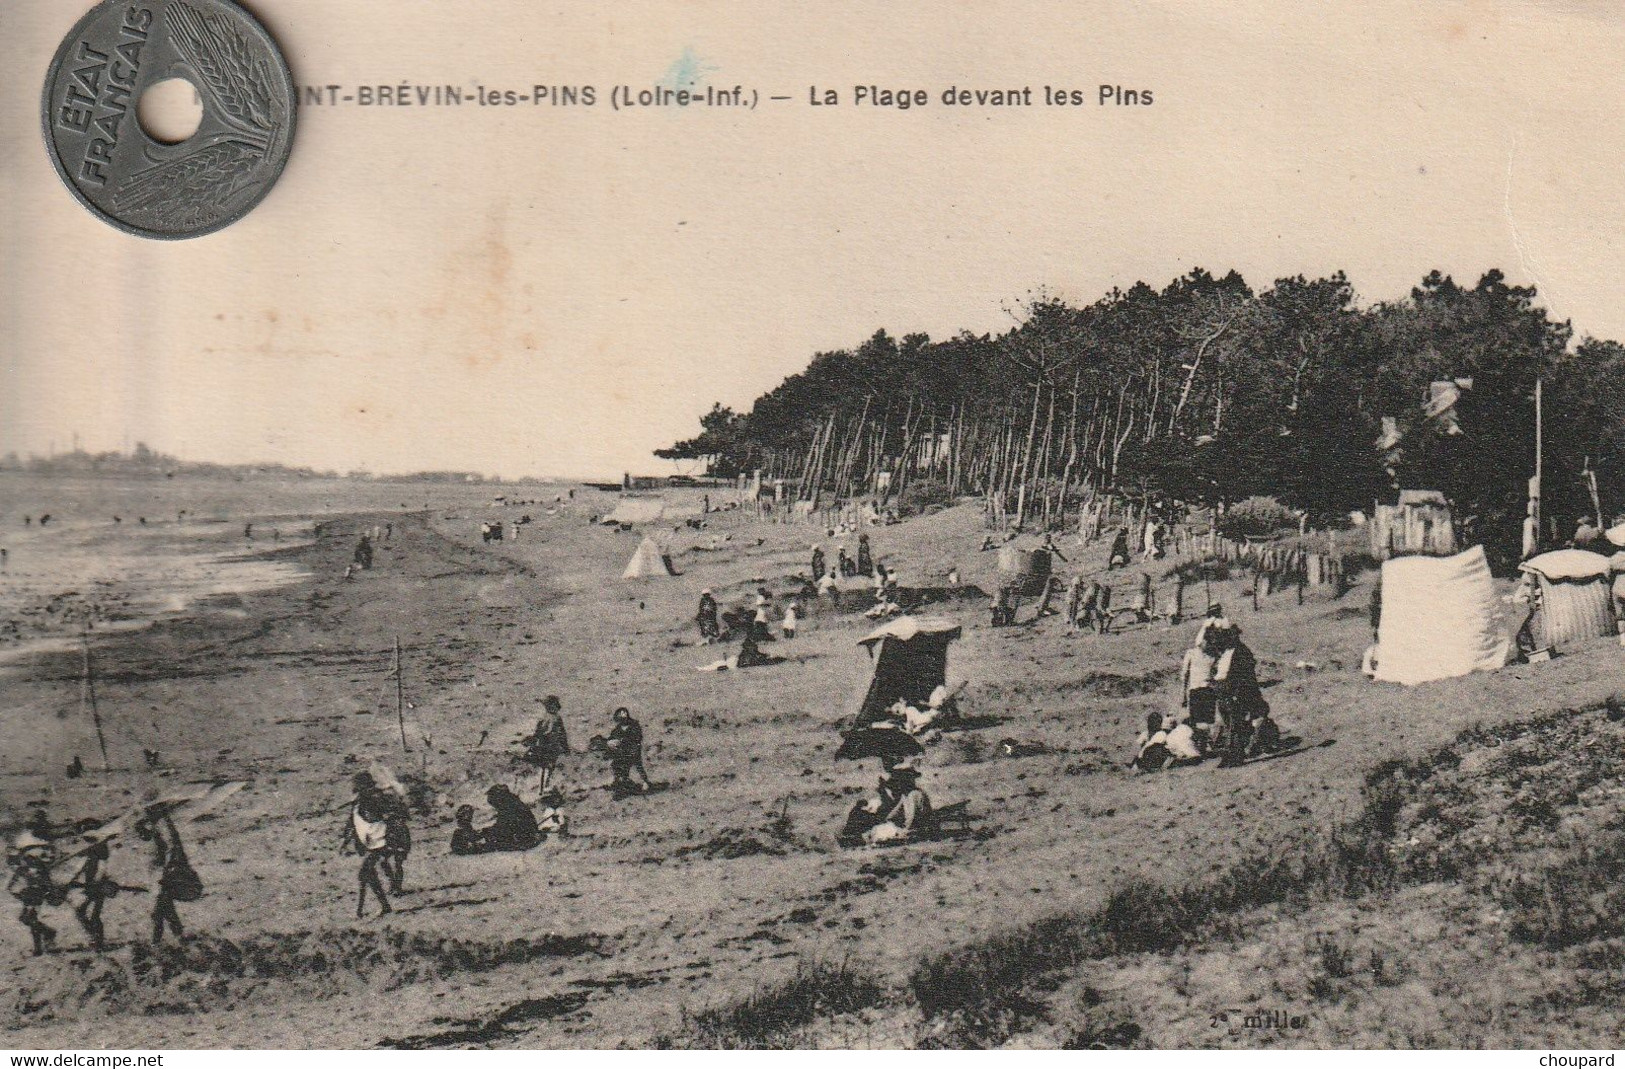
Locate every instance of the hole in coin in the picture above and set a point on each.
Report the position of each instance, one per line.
(170, 111)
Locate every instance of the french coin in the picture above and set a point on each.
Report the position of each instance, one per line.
(131, 179)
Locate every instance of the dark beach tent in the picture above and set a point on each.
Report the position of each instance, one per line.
(887, 743)
(910, 661)
(1576, 601)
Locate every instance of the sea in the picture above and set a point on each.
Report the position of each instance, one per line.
(120, 553)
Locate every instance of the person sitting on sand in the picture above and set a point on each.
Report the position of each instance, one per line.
(515, 825)
(1118, 557)
(830, 586)
(761, 618)
(904, 809)
(1165, 742)
(750, 655)
(465, 838)
(625, 746)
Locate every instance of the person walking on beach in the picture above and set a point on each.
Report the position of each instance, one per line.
(177, 879)
(817, 562)
(368, 833)
(31, 858)
(363, 552)
(95, 887)
(710, 630)
(866, 561)
(548, 743)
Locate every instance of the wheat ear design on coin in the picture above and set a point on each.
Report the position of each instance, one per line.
(232, 74)
(197, 183)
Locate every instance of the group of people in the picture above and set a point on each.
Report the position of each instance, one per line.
(379, 829)
(61, 865)
(515, 827)
(1152, 534)
(1221, 706)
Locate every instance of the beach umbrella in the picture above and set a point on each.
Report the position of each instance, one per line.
(883, 742)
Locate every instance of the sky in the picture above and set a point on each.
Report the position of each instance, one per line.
(560, 291)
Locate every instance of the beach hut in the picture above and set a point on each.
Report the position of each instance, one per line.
(1420, 523)
(910, 660)
(1576, 602)
(650, 561)
(1440, 618)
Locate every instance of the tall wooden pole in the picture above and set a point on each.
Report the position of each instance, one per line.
(400, 696)
(1596, 500)
(88, 696)
(1534, 503)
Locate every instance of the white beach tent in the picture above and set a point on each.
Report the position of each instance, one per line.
(649, 560)
(637, 510)
(1440, 618)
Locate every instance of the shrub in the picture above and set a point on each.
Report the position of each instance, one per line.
(768, 1016)
(1257, 517)
(921, 494)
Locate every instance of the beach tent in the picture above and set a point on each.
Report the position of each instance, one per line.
(649, 560)
(1440, 618)
(637, 510)
(910, 657)
(1576, 601)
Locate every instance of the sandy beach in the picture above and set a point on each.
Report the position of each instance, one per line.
(658, 906)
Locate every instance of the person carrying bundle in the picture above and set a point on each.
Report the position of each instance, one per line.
(368, 835)
(177, 880)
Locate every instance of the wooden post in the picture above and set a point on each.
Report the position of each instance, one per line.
(1596, 502)
(400, 697)
(88, 697)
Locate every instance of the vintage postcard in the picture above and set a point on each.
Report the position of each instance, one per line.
(689, 525)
